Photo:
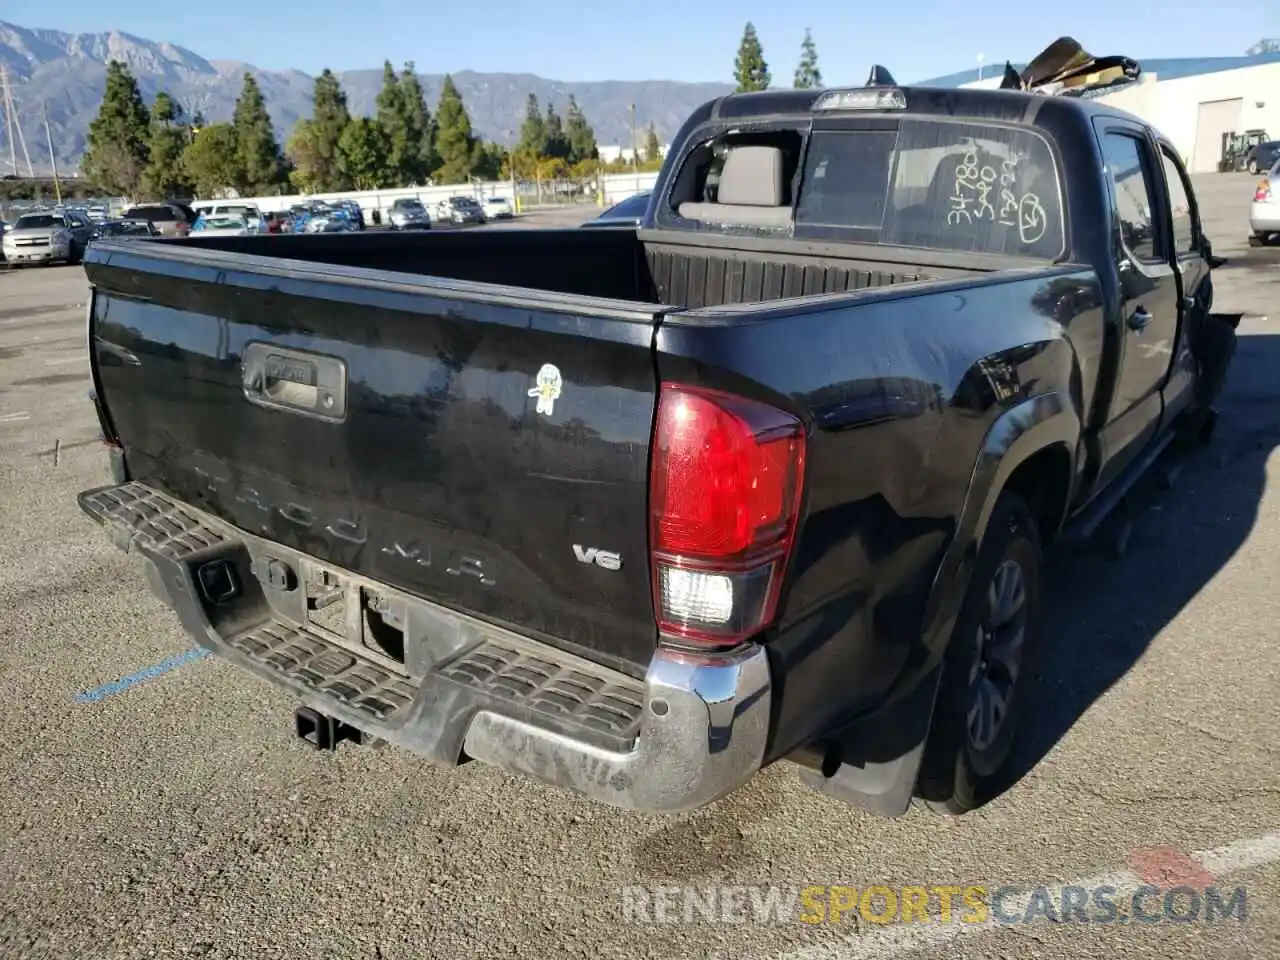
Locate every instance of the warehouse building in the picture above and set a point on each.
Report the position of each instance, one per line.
(1193, 102)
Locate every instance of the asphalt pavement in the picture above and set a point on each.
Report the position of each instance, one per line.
(155, 802)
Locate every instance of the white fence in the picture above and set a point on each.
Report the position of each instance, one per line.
(617, 187)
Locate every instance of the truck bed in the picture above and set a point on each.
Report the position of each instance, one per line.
(652, 267)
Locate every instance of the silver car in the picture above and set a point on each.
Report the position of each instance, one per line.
(47, 238)
(1264, 215)
(460, 210)
(408, 214)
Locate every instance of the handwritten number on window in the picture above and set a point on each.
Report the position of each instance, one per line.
(972, 196)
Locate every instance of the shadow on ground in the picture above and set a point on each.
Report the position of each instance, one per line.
(1103, 614)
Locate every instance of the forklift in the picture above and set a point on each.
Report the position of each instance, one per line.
(1236, 147)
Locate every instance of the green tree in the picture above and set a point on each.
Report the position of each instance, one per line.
(257, 152)
(652, 146)
(118, 150)
(749, 67)
(364, 152)
(454, 140)
(582, 139)
(307, 173)
(197, 121)
(490, 161)
(555, 144)
(533, 131)
(165, 177)
(418, 123)
(329, 119)
(808, 76)
(210, 163)
(391, 120)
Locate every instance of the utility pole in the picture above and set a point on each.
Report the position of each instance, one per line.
(15, 125)
(53, 161)
(511, 169)
(8, 114)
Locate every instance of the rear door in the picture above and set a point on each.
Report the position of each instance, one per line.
(1149, 288)
(488, 451)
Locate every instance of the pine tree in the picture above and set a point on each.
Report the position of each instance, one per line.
(808, 76)
(454, 141)
(749, 67)
(390, 119)
(209, 162)
(418, 123)
(364, 150)
(652, 146)
(582, 139)
(257, 152)
(533, 131)
(118, 149)
(555, 145)
(329, 119)
(164, 177)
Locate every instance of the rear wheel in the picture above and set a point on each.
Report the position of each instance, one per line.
(988, 667)
(1253, 166)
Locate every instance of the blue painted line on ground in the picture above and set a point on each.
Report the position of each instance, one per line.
(149, 673)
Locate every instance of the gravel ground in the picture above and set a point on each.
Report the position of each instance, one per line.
(180, 817)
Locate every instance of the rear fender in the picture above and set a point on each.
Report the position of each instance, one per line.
(1023, 430)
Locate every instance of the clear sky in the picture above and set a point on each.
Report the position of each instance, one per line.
(661, 39)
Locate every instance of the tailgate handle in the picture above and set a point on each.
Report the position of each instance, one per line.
(295, 381)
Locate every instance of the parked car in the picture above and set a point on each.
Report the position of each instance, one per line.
(353, 211)
(408, 213)
(639, 512)
(1264, 213)
(123, 228)
(46, 238)
(1261, 157)
(499, 208)
(171, 219)
(248, 212)
(328, 218)
(626, 213)
(459, 210)
(224, 224)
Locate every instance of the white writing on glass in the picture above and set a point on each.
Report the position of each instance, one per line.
(974, 186)
(972, 196)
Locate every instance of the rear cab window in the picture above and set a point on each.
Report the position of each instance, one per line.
(154, 214)
(931, 183)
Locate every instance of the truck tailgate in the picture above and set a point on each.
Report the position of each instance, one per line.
(480, 446)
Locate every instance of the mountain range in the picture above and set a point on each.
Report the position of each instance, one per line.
(62, 74)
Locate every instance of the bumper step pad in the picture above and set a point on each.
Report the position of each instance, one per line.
(502, 673)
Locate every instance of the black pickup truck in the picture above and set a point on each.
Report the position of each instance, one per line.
(639, 512)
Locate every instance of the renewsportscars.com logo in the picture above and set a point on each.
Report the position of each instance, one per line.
(945, 904)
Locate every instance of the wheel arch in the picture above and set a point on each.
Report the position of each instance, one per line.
(1032, 448)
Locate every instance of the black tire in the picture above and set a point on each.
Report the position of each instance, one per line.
(1253, 167)
(964, 763)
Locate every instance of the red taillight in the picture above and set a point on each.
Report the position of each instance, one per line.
(724, 498)
(1264, 191)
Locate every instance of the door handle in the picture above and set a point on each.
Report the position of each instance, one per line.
(1139, 319)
